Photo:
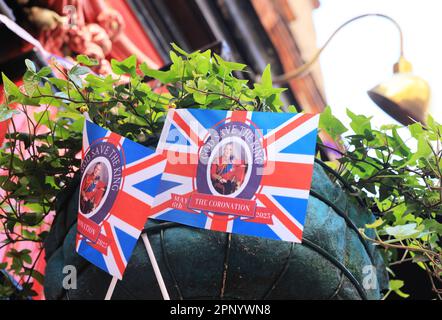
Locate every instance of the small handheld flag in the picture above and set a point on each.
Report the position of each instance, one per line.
(237, 171)
(119, 180)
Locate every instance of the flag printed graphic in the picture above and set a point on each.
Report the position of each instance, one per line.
(237, 171)
(119, 182)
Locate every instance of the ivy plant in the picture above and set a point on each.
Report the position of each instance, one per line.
(133, 102)
(398, 179)
(397, 172)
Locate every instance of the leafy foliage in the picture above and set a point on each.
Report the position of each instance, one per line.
(132, 102)
(398, 174)
(398, 178)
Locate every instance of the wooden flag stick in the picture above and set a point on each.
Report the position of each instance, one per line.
(156, 269)
(111, 288)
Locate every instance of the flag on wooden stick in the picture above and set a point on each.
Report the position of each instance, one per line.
(237, 171)
(119, 180)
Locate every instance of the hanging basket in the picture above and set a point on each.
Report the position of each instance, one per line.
(333, 262)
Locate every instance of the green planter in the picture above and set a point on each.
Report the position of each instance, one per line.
(332, 263)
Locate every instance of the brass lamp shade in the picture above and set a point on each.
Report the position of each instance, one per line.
(404, 96)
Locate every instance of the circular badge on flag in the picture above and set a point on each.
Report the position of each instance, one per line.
(101, 179)
(230, 161)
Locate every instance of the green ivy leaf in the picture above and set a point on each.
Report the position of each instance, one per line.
(396, 285)
(226, 67)
(403, 231)
(162, 76)
(360, 123)
(87, 61)
(14, 94)
(266, 78)
(79, 70)
(332, 125)
(7, 113)
(127, 66)
(45, 71)
(269, 95)
(37, 275)
(423, 150)
(30, 65)
(399, 144)
(179, 50)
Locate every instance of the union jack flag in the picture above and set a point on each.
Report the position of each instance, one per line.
(277, 206)
(119, 182)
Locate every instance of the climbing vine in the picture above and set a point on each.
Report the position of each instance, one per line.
(395, 171)
(132, 101)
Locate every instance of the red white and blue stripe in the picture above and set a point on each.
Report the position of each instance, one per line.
(290, 141)
(141, 172)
